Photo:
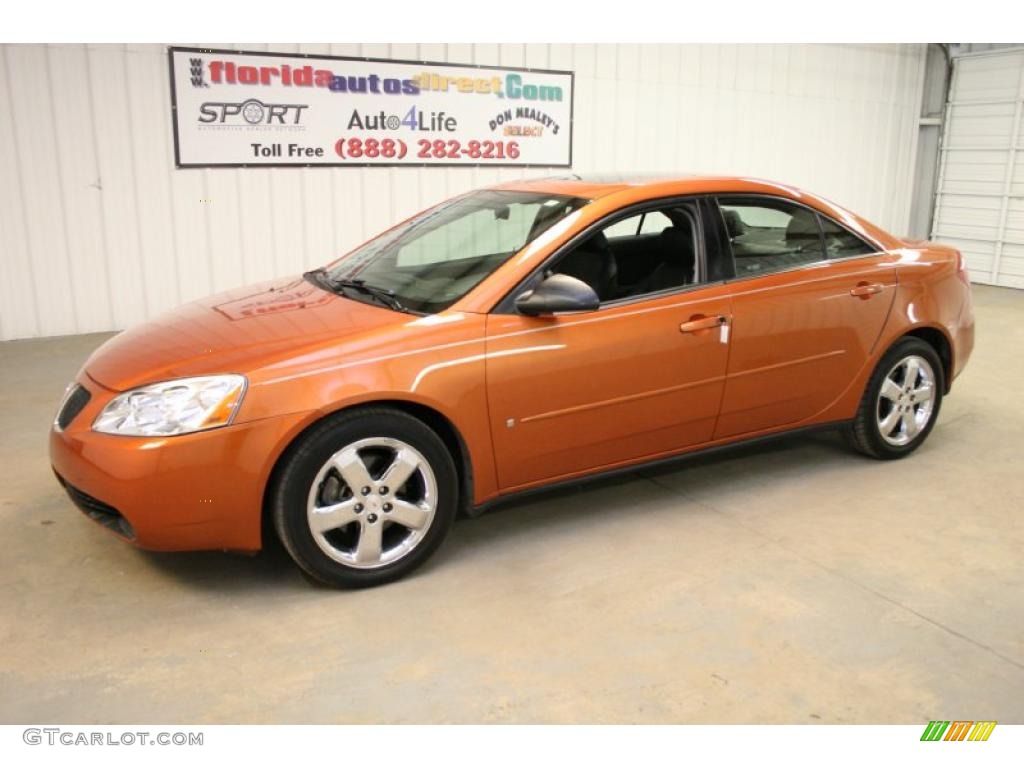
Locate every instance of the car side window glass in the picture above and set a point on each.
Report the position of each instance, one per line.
(625, 228)
(840, 243)
(654, 222)
(647, 253)
(768, 235)
(649, 223)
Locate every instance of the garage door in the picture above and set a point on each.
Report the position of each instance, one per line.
(980, 197)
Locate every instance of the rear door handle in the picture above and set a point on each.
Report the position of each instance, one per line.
(866, 290)
(702, 323)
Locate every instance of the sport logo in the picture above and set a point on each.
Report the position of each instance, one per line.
(252, 111)
(195, 69)
(958, 730)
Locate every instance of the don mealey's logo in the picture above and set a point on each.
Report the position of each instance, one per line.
(529, 114)
(251, 111)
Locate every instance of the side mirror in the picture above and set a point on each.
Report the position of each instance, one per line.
(558, 293)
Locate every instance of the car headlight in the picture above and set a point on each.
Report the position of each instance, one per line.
(173, 407)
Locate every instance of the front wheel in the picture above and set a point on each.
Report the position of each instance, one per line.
(365, 497)
(901, 402)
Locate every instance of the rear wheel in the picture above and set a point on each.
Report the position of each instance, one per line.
(901, 402)
(365, 498)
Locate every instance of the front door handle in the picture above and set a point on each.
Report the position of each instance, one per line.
(702, 323)
(866, 290)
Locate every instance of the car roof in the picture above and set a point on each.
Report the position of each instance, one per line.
(635, 188)
(598, 185)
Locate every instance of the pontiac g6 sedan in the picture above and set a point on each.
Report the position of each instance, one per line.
(511, 338)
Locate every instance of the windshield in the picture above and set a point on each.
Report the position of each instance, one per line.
(434, 259)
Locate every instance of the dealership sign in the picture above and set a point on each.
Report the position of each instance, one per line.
(234, 108)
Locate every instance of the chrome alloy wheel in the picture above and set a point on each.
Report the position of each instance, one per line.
(372, 502)
(906, 400)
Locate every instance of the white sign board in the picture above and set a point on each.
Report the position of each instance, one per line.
(235, 108)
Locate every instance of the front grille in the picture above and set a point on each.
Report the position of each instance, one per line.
(73, 405)
(102, 513)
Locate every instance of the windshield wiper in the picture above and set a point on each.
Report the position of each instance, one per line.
(384, 295)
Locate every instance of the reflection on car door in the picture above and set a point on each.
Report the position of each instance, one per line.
(800, 337)
(586, 391)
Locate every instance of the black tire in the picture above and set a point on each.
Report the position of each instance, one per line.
(865, 433)
(303, 462)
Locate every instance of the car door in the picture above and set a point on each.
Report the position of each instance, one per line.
(640, 376)
(809, 300)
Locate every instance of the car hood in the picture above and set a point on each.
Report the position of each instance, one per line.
(232, 332)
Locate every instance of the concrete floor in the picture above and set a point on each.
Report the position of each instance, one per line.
(797, 583)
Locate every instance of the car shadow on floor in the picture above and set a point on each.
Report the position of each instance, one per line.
(595, 501)
(589, 502)
(270, 569)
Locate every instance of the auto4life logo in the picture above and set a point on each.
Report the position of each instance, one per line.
(958, 730)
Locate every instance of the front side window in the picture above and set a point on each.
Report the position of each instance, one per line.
(431, 261)
(645, 253)
(654, 222)
(650, 223)
(768, 235)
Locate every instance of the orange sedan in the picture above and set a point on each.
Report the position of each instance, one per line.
(507, 339)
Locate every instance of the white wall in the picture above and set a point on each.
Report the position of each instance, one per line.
(99, 231)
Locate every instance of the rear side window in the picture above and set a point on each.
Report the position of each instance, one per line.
(841, 243)
(768, 235)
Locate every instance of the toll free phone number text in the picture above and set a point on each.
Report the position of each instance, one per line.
(359, 148)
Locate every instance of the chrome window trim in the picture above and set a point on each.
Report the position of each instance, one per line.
(625, 302)
(809, 265)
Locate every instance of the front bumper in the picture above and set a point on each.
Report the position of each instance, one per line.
(187, 492)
